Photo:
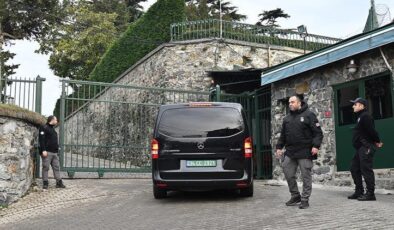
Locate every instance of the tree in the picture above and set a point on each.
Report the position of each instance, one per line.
(135, 9)
(139, 39)
(29, 19)
(25, 19)
(229, 12)
(90, 27)
(205, 9)
(268, 18)
(82, 42)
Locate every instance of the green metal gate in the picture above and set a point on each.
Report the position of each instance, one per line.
(257, 105)
(107, 127)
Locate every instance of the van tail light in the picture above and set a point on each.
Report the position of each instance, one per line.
(242, 184)
(155, 149)
(161, 185)
(248, 147)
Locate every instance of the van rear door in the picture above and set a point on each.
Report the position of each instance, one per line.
(201, 143)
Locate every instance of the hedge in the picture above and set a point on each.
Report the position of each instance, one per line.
(140, 38)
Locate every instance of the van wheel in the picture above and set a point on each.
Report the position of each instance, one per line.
(159, 193)
(246, 192)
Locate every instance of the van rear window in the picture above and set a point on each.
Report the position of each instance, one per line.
(201, 122)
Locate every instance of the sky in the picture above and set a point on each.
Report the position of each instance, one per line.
(334, 18)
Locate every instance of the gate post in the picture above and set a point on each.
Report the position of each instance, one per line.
(38, 99)
(61, 129)
(259, 159)
(37, 109)
(218, 93)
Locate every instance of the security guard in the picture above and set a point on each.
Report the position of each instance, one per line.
(302, 136)
(365, 141)
(49, 148)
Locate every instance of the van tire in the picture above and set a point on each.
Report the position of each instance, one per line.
(159, 193)
(246, 192)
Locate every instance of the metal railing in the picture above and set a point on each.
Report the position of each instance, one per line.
(107, 127)
(210, 28)
(22, 92)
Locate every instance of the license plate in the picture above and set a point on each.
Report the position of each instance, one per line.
(201, 163)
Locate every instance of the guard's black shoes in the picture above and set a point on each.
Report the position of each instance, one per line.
(304, 204)
(367, 197)
(355, 195)
(59, 184)
(45, 184)
(293, 201)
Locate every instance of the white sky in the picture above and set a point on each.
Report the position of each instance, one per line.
(335, 18)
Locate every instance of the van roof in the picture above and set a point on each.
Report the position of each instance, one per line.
(213, 104)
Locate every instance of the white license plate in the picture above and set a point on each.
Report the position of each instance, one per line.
(201, 163)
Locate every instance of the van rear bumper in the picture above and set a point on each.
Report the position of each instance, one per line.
(202, 185)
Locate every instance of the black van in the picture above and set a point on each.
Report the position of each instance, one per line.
(201, 146)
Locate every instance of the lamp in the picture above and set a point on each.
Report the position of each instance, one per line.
(302, 29)
(303, 33)
(351, 67)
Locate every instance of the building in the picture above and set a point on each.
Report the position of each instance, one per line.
(360, 66)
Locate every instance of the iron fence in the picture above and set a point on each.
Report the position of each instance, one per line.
(214, 28)
(22, 92)
(106, 127)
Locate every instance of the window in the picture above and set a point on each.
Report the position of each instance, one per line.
(201, 122)
(378, 94)
(345, 110)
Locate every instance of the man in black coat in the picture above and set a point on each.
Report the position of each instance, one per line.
(365, 141)
(302, 136)
(49, 148)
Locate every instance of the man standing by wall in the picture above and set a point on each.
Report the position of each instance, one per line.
(302, 136)
(365, 140)
(49, 148)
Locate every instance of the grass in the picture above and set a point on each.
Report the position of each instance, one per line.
(13, 111)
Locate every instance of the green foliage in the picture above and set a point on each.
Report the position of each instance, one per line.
(268, 18)
(82, 42)
(25, 19)
(7, 70)
(146, 34)
(134, 8)
(209, 9)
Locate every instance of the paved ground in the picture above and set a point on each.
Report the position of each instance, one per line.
(129, 204)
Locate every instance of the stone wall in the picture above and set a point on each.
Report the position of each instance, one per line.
(17, 137)
(316, 85)
(183, 65)
(116, 118)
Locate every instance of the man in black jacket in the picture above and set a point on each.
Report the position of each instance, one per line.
(302, 136)
(49, 148)
(365, 140)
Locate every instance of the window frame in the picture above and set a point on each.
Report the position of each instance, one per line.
(362, 92)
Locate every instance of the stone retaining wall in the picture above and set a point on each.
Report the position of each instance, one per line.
(17, 140)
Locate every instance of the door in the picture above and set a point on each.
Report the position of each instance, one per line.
(378, 91)
(344, 123)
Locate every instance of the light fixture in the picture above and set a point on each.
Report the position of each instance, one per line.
(302, 29)
(352, 67)
(303, 33)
